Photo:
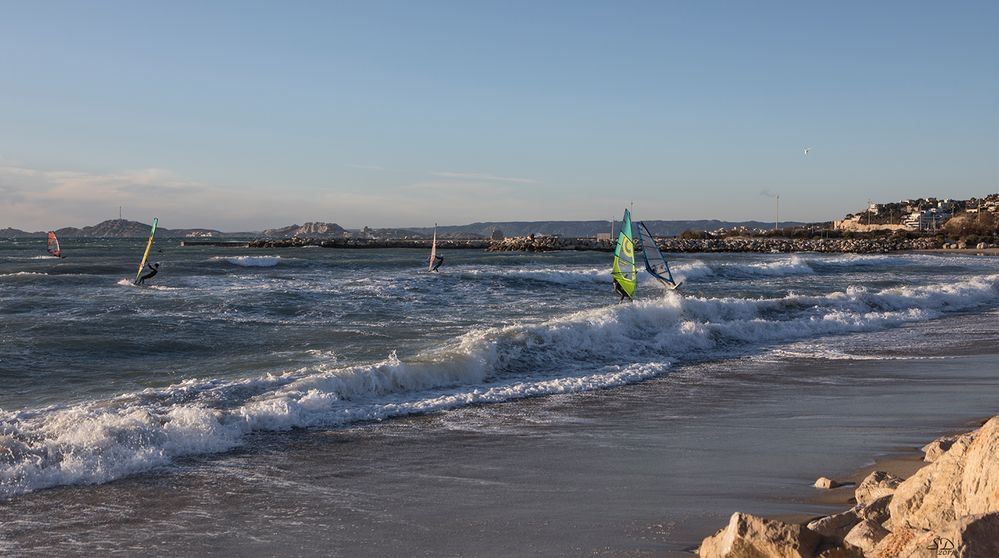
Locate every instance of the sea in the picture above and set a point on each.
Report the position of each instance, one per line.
(346, 402)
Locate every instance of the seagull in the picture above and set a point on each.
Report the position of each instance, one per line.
(807, 149)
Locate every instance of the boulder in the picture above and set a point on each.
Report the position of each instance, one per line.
(866, 535)
(933, 450)
(845, 551)
(876, 485)
(835, 526)
(964, 481)
(824, 482)
(749, 536)
(976, 535)
(876, 511)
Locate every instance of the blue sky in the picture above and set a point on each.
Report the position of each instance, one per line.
(246, 115)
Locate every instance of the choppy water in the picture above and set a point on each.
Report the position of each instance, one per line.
(102, 380)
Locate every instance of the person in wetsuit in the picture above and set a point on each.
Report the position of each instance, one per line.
(619, 290)
(438, 261)
(153, 270)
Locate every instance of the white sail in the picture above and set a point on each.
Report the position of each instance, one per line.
(433, 250)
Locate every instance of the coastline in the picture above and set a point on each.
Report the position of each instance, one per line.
(938, 499)
(923, 245)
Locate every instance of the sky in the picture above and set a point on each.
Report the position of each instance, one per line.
(248, 115)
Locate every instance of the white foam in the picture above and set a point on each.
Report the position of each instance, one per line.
(252, 261)
(102, 440)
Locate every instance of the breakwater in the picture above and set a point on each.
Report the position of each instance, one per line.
(554, 243)
(735, 244)
(299, 242)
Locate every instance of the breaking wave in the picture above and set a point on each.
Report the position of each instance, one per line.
(99, 441)
(252, 261)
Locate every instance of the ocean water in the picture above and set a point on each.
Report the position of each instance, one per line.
(345, 402)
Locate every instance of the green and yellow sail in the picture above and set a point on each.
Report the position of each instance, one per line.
(624, 271)
(145, 255)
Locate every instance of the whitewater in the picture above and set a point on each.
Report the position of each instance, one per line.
(103, 380)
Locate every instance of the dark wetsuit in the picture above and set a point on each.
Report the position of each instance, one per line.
(438, 261)
(152, 271)
(620, 291)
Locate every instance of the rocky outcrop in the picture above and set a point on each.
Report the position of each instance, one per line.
(933, 450)
(876, 485)
(964, 481)
(749, 536)
(950, 507)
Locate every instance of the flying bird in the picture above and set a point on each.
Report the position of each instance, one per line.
(807, 149)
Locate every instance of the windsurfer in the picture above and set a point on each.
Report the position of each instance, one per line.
(438, 261)
(153, 270)
(620, 291)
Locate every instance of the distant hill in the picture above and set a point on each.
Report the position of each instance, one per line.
(584, 229)
(123, 228)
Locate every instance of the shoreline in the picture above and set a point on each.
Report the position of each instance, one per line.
(924, 245)
(938, 498)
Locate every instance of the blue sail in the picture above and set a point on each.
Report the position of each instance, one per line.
(655, 263)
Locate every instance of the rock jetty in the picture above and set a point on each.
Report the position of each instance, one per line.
(950, 507)
(735, 244)
(298, 242)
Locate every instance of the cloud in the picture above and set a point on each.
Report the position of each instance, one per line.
(485, 177)
(367, 167)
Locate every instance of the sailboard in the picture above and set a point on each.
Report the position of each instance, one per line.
(149, 245)
(624, 271)
(54, 245)
(655, 262)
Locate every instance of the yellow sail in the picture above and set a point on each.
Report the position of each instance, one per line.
(149, 245)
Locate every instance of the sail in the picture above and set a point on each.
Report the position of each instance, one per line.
(655, 263)
(54, 244)
(149, 245)
(624, 271)
(433, 250)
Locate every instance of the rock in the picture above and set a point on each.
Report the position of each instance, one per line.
(824, 482)
(976, 535)
(748, 536)
(876, 485)
(964, 481)
(835, 526)
(845, 551)
(933, 450)
(876, 511)
(866, 535)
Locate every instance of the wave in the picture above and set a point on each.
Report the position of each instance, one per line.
(98, 441)
(795, 265)
(22, 274)
(560, 276)
(252, 261)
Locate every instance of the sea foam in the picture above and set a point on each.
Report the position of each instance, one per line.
(98, 441)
